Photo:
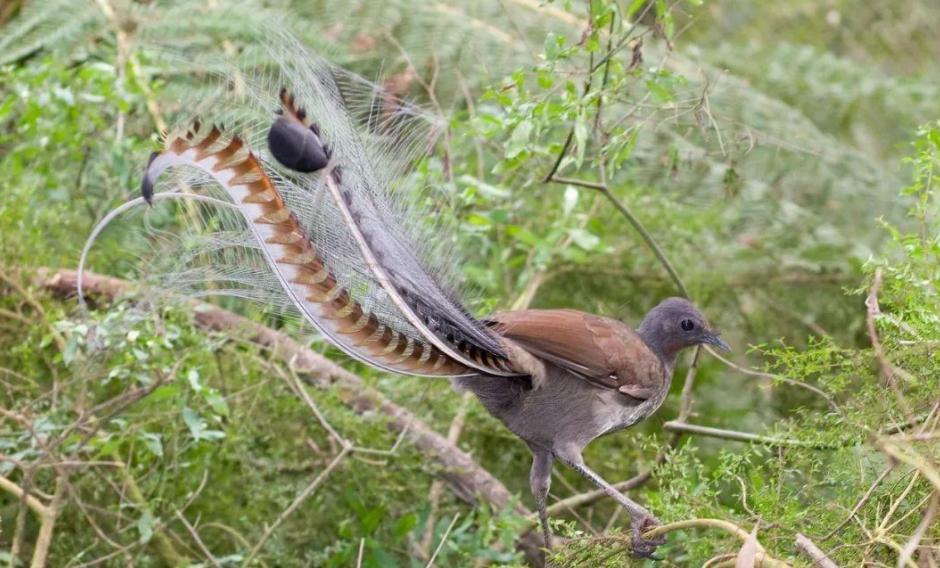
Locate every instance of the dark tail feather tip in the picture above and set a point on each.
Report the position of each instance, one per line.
(146, 186)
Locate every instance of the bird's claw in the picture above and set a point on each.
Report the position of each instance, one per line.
(644, 548)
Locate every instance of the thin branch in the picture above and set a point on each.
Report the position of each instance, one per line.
(295, 504)
(634, 222)
(362, 547)
(34, 504)
(675, 426)
(908, 551)
(453, 435)
(829, 400)
(912, 459)
(861, 503)
(730, 528)
(47, 525)
(199, 543)
(809, 548)
(440, 545)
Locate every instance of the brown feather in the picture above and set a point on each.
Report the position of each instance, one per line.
(601, 350)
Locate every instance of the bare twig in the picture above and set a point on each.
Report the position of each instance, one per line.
(362, 547)
(453, 435)
(912, 459)
(829, 400)
(861, 502)
(730, 528)
(737, 436)
(296, 503)
(47, 524)
(199, 543)
(440, 545)
(809, 548)
(33, 503)
(908, 551)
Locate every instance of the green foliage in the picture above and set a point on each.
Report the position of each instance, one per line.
(757, 145)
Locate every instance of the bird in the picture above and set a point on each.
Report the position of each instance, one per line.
(310, 219)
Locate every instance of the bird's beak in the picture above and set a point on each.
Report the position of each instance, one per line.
(717, 341)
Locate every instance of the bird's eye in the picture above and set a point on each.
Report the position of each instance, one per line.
(687, 325)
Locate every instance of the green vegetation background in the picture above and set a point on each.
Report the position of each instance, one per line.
(762, 145)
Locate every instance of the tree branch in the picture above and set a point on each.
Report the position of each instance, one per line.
(466, 479)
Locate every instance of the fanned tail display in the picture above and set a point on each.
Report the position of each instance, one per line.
(312, 165)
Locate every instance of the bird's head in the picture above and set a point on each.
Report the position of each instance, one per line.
(675, 324)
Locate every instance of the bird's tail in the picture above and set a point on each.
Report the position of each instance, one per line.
(342, 245)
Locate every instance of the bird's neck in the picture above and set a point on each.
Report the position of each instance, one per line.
(659, 345)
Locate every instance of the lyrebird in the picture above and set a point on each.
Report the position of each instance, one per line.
(314, 218)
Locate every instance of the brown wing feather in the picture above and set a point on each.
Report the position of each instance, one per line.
(601, 350)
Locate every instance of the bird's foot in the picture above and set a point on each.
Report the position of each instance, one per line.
(644, 548)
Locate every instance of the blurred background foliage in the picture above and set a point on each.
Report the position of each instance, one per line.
(759, 143)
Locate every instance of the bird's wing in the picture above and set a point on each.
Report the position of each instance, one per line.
(601, 350)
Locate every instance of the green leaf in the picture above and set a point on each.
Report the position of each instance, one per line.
(152, 442)
(193, 378)
(581, 137)
(522, 235)
(372, 519)
(584, 239)
(405, 525)
(145, 527)
(519, 140)
(571, 199)
(658, 93)
(635, 7)
(218, 403)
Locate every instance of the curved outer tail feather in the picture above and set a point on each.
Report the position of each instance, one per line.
(305, 276)
(342, 241)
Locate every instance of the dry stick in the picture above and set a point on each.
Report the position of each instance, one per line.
(34, 504)
(716, 560)
(453, 435)
(832, 403)
(199, 543)
(912, 459)
(809, 548)
(296, 503)
(737, 436)
(762, 560)
(47, 524)
(861, 503)
(730, 528)
(908, 551)
(440, 545)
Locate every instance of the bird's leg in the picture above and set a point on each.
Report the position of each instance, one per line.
(641, 520)
(540, 478)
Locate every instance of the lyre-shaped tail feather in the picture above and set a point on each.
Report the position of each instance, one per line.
(342, 241)
(311, 286)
